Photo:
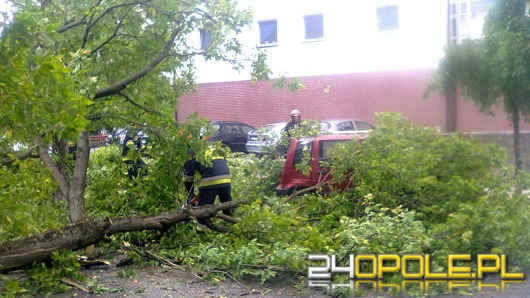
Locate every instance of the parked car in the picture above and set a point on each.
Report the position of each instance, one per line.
(293, 180)
(121, 133)
(345, 126)
(265, 136)
(232, 134)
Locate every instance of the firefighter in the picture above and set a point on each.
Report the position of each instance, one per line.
(132, 155)
(296, 118)
(215, 181)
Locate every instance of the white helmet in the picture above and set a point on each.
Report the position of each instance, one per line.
(296, 113)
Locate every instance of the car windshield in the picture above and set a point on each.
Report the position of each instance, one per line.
(268, 128)
(325, 125)
(301, 148)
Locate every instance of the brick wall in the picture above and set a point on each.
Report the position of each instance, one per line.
(357, 95)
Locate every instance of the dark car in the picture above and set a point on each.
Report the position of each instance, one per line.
(232, 134)
(317, 147)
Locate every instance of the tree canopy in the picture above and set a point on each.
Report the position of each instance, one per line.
(70, 69)
(496, 68)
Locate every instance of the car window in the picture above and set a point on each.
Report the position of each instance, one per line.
(232, 128)
(323, 149)
(246, 128)
(301, 148)
(363, 125)
(325, 125)
(346, 125)
(216, 127)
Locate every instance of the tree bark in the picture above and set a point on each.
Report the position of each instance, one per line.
(76, 200)
(38, 248)
(516, 137)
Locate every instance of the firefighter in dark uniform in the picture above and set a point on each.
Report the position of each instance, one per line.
(215, 181)
(131, 153)
(296, 118)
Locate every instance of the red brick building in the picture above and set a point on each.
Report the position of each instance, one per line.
(358, 95)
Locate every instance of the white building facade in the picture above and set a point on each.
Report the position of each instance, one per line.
(356, 58)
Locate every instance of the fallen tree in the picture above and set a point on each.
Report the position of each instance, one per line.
(39, 248)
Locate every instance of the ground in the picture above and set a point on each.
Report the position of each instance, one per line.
(161, 281)
(155, 281)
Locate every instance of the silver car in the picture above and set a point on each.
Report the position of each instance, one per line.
(345, 126)
(265, 136)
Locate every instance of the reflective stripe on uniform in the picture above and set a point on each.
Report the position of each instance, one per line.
(218, 177)
(214, 182)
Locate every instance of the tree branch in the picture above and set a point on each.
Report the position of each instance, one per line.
(5, 161)
(82, 21)
(37, 248)
(127, 98)
(116, 88)
(114, 34)
(72, 25)
(47, 160)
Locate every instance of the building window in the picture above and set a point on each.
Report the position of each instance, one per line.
(268, 32)
(314, 26)
(387, 18)
(206, 39)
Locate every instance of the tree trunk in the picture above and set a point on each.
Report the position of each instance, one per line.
(23, 252)
(76, 200)
(517, 138)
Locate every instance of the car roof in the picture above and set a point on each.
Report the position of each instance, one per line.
(343, 120)
(228, 121)
(275, 124)
(222, 122)
(330, 137)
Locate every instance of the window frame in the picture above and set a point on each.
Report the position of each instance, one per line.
(264, 39)
(206, 39)
(314, 24)
(387, 18)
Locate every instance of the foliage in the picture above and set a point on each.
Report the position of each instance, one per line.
(417, 168)
(414, 191)
(258, 176)
(494, 67)
(111, 193)
(25, 191)
(46, 279)
(496, 223)
(382, 230)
